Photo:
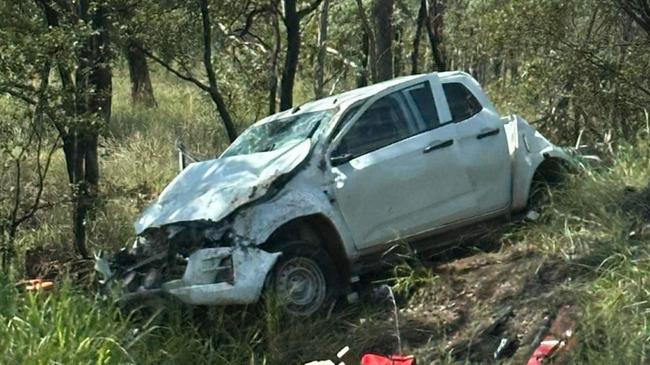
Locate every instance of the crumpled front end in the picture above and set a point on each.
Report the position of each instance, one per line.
(192, 264)
(241, 272)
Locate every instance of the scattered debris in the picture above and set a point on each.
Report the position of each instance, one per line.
(507, 348)
(532, 215)
(344, 355)
(35, 285)
(488, 306)
(376, 359)
(545, 350)
(489, 329)
(558, 338)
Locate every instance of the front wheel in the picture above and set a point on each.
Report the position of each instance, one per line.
(539, 196)
(303, 279)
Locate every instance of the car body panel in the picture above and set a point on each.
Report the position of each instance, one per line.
(381, 194)
(528, 149)
(210, 190)
(483, 152)
(197, 285)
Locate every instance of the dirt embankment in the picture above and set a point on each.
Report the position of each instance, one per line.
(489, 307)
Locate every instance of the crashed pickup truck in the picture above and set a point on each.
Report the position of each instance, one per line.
(305, 199)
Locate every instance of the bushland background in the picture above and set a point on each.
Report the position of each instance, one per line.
(95, 94)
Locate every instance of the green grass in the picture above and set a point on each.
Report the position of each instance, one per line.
(70, 327)
(65, 327)
(600, 222)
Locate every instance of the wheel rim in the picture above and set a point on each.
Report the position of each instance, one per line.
(301, 286)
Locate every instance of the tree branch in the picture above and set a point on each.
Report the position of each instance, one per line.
(309, 9)
(177, 73)
(248, 23)
(7, 90)
(42, 173)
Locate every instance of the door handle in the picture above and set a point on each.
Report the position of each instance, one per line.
(488, 133)
(438, 145)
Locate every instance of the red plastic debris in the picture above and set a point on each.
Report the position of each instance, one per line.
(559, 339)
(376, 359)
(543, 351)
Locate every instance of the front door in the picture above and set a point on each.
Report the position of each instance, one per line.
(401, 175)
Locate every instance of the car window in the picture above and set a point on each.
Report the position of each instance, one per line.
(277, 133)
(382, 124)
(346, 118)
(462, 103)
(425, 106)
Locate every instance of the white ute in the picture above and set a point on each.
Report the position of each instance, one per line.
(305, 198)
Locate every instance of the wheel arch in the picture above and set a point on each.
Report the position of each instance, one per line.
(551, 170)
(549, 164)
(319, 229)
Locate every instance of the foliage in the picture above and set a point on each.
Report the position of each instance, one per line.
(580, 64)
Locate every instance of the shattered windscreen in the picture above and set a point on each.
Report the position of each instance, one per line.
(278, 133)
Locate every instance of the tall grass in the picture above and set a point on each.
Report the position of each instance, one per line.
(72, 327)
(65, 327)
(600, 222)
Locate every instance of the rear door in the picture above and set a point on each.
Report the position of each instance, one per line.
(483, 147)
(400, 173)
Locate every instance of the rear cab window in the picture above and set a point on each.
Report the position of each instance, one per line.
(422, 103)
(462, 103)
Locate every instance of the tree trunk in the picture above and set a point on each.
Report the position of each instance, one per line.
(319, 71)
(368, 48)
(382, 13)
(362, 79)
(141, 89)
(415, 54)
(434, 31)
(94, 90)
(397, 52)
(215, 95)
(88, 98)
(292, 24)
(273, 72)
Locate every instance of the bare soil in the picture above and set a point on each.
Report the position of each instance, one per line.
(510, 298)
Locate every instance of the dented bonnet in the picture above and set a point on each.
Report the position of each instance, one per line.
(211, 190)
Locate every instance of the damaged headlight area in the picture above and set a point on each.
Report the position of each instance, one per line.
(196, 264)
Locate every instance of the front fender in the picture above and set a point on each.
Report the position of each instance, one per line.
(528, 149)
(258, 222)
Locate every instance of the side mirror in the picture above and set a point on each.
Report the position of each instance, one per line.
(341, 159)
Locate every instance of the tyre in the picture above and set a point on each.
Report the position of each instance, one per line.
(539, 196)
(303, 279)
(550, 175)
